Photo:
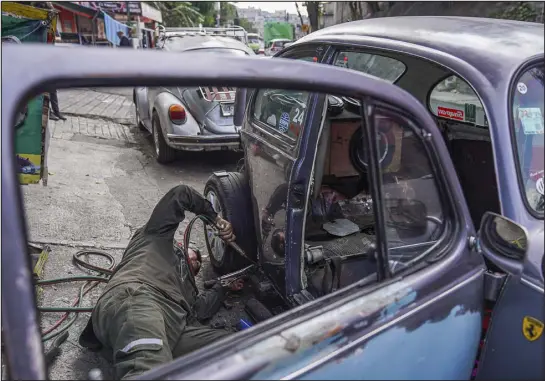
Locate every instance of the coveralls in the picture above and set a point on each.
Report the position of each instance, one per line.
(150, 310)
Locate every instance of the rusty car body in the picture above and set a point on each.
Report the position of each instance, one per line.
(406, 308)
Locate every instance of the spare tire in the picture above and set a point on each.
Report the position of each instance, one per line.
(230, 196)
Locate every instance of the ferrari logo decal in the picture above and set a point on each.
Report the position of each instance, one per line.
(531, 328)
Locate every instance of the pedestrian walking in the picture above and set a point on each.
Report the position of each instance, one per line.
(123, 40)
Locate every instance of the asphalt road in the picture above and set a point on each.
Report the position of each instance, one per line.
(103, 183)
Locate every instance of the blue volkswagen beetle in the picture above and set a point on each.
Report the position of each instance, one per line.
(397, 221)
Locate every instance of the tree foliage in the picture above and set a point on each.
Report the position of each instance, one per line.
(179, 14)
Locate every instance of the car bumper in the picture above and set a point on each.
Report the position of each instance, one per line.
(205, 142)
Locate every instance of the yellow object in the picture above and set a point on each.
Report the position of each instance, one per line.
(531, 328)
(34, 178)
(30, 12)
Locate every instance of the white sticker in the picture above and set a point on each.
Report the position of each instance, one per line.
(521, 87)
(298, 117)
(531, 120)
(539, 186)
(284, 122)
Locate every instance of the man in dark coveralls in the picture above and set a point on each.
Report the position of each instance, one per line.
(150, 310)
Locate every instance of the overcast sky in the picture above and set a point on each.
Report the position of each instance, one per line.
(272, 6)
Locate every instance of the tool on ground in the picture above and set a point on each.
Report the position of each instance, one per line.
(226, 280)
(55, 348)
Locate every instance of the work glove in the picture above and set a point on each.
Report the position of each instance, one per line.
(225, 230)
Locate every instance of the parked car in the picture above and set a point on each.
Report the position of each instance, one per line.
(190, 118)
(276, 45)
(367, 244)
(491, 122)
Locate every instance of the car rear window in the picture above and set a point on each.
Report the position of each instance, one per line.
(382, 67)
(454, 99)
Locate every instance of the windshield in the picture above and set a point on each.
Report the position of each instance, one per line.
(253, 40)
(279, 44)
(528, 131)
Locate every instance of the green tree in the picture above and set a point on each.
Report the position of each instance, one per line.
(178, 14)
(247, 25)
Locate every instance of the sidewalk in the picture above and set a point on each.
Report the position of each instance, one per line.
(101, 105)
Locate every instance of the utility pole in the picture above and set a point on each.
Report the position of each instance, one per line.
(299, 13)
(218, 10)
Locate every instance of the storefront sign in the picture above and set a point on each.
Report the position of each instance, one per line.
(151, 13)
(113, 6)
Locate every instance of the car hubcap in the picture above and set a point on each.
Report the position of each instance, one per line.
(216, 244)
(156, 138)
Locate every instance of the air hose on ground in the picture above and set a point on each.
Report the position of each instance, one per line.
(91, 281)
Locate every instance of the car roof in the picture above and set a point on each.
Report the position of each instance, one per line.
(280, 39)
(481, 42)
(185, 43)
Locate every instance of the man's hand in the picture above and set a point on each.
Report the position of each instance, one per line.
(225, 230)
(236, 285)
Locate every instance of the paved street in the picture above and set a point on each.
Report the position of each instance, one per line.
(103, 183)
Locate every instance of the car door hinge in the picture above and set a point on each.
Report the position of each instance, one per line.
(493, 284)
(474, 244)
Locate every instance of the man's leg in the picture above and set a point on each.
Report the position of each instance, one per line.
(195, 337)
(130, 321)
(53, 98)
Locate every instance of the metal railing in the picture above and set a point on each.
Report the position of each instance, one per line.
(230, 31)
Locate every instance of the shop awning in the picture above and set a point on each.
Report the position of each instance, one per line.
(78, 9)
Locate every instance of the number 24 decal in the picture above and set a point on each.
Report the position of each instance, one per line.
(299, 116)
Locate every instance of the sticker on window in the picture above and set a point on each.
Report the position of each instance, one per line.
(284, 123)
(522, 88)
(450, 113)
(531, 120)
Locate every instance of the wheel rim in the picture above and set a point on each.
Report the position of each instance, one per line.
(217, 245)
(156, 136)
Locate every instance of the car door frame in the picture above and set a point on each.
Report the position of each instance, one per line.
(299, 178)
(338, 315)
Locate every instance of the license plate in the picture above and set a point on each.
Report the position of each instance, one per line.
(227, 109)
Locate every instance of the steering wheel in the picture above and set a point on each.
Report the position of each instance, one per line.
(286, 100)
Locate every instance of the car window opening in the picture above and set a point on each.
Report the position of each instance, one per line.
(340, 230)
(464, 126)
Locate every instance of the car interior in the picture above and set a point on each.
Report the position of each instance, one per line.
(340, 237)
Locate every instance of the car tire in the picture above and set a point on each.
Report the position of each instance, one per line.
(163, 152)
(231, 198)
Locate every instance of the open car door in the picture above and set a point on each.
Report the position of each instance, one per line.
(421, 322)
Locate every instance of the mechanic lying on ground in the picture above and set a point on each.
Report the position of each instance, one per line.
(150, 310)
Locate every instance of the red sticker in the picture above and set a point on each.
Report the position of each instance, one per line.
(450, 113)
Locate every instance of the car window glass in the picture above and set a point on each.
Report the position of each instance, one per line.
(528, 111)
(283, 112)
(413, 210)
(454, 99)
(379, 66)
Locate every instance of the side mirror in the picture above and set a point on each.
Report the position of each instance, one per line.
(240, 107)
(503, 242)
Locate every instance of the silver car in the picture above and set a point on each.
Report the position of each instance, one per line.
(190, 118)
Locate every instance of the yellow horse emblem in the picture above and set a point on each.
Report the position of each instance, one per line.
(531, 328)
